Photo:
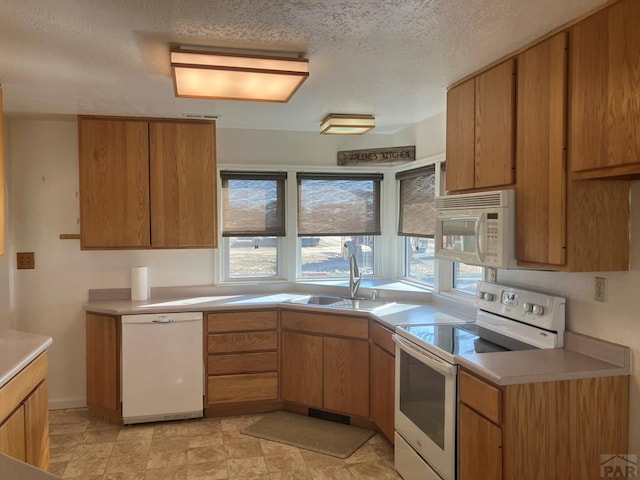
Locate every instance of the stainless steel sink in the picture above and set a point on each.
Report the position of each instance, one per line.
(317, 300)
(341, 302)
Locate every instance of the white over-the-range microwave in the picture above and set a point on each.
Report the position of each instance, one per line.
(477, 228)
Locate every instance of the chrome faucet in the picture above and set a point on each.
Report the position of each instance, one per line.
(354, 276)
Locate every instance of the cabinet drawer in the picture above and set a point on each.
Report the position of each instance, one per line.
(382, 337)
(242, 363)
(242, 388)
(242, 342)
(242, 321)
(482, 397)
(327, 324)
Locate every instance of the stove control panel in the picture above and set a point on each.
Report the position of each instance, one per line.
(526, 306)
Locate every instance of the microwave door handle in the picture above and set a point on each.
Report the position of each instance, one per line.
(479, 243)
(424, 357)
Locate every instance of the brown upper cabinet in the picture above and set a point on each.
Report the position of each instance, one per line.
(541, 140)
(480, 130)
(577, 115)
(562, 224)
(147, 183)
(604, 93)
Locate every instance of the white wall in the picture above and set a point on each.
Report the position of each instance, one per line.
(5, 290)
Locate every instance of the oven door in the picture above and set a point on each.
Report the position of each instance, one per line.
(425, 413)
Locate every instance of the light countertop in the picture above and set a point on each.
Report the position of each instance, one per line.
(391, 315)
(17, 350)
(13, 469)
(582, 357)
(532, 366)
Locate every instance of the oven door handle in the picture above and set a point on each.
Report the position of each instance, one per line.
(420, 354)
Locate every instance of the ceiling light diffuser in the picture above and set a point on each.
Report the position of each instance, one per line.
(339, 124)
(232, 76)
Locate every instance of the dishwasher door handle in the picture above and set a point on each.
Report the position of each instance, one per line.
(164, 320)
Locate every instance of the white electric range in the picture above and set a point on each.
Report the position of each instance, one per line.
(507, 319)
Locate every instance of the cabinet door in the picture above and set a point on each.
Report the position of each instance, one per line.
(12, 436)
(494, 126)
(541, 168)
(114, 183)
(36, 421)
(605, 99)
(346, 376)
(183, 184)
(302, 369)
(461, 136)
(383, 390)
(480, 447)
(103, 365)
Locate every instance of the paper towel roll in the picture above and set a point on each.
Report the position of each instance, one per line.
(139, 283)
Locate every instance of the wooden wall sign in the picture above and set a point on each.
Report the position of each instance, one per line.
(387, 156)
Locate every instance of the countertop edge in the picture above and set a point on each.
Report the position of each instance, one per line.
(393, 309)
(26, 360)
(18, 470)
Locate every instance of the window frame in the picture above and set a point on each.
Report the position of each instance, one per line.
(300, 278)
(225, 264)
(223, 254)
(391, 267)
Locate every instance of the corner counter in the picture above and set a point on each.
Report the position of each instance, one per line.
(17, 350)
(24, 401)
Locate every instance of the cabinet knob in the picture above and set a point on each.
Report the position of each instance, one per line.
(537, 310)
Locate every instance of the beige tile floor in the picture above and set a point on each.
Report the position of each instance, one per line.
(91, 449)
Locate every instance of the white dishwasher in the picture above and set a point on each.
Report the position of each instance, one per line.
(162, 367)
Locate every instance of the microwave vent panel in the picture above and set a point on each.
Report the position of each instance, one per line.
(498, 199)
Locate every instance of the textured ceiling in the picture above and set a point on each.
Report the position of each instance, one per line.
(390, 58)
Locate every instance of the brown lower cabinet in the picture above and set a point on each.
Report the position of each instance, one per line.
(24, 415)
(264, 360)
(383, 376)
(242, 361)
(103, 334)
(540, 430)
(325, 361)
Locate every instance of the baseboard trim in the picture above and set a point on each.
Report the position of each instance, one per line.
(65, 403)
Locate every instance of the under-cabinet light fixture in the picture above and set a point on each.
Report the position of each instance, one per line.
(236, 76)
(340, 124)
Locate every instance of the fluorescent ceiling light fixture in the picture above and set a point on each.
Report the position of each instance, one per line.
(236, 76)
(339, 124)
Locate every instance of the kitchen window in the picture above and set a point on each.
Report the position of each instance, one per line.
(253, 224)
(416, 222)
(466, 277)
(338, 214)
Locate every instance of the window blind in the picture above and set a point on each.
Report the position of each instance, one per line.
(253, 204)
(417, 216)
(338, 204)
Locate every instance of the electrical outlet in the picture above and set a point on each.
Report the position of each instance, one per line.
(26, 260)
(600, 289)
(491, 274)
